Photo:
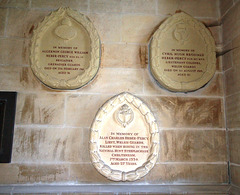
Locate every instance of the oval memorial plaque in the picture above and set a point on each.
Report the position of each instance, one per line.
(124, 141)
(182, 54)
(65, 52)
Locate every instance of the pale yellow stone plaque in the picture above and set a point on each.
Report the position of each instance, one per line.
(65, 51)
(182, 54)
(124, 141)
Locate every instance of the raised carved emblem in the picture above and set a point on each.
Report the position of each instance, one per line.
(65, 51)
(180, 33)
(124, 115)
(124, 142)
(65, 30)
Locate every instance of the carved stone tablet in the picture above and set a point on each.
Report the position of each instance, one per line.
(124, 141)
(182, 54)
(65, 52)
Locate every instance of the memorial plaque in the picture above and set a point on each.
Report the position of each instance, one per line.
(65, 52)
(124, 142)
(182, 54)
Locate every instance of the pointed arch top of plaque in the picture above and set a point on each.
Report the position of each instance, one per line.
(124, 142)
(182, 54)
(65, 50)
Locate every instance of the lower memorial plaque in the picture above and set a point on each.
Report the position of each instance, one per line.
(124, 140)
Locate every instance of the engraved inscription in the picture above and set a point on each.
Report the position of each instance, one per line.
(124, 149)
(182, 63)
(64, 61)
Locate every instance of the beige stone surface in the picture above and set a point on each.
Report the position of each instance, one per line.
(188, 173)
(195, 146)
(187, 112)
(40, 109)
(85, 154)
(27, 81)
(227, 60)
(139, 6)
(44, 173)
(233, 111)
(89, 193)
(231, 23)
(236, 57)
(208, 8)
(232, 80)
(80, 5)
(232, 74)
(235, 175)
(105, 6)
(81, 109)
(114, 81)
(14, 51)
(8, 173)
(32, 145)
(235, 42)
(216, 33)
(28, 22)
(219, 65)
(20, 79)
(139, 28)
(213, 88)
(108, 26)
(86, 173)
(3, 13)
(35, 194)
(208, 22)
(234, 146)
(10, 77)
(124, 56)
(225, 5)
(15, 3)
(234, 190)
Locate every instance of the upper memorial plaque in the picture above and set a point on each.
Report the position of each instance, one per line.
(65, 52)
(182, 54)
(124, 141)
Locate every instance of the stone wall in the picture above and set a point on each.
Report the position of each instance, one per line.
(52, 127)
(230, 11)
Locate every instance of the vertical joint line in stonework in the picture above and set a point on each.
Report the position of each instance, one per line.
(229, 172)
(64, 110)
(6, 22)
(121, 27)
(156, 5)
(218, 4)
(88, 6)
(30, 4)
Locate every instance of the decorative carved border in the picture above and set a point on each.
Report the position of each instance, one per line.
(210, 58)
(95, 51)
(107, 107)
